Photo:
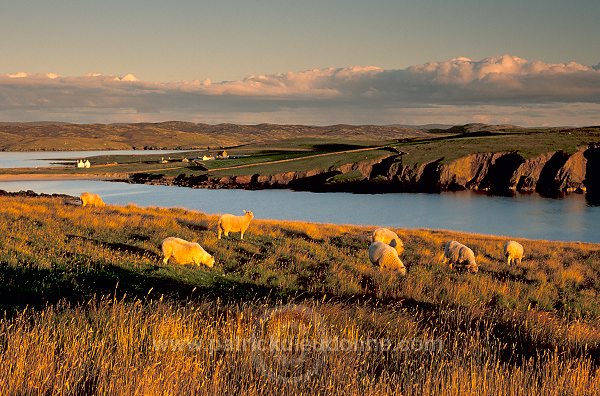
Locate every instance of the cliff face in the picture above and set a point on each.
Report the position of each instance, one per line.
(548, 174)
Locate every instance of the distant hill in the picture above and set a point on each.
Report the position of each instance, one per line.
(475, 128)
(46, 136)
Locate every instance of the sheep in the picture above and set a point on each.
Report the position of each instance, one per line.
(388, 237)
(184, 252)
(385, 256)
(230, 223)
(460, 255)
(90, 199)
(513, 251)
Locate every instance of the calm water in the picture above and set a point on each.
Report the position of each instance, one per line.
(527, 216)
(31, 159)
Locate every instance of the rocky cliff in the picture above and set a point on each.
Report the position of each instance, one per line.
(503, 172)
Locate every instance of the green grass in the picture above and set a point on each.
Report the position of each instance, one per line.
(528, 143)
(300, 165)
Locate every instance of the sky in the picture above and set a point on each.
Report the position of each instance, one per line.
(528, 62)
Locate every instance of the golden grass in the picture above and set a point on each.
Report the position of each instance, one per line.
(89, 309)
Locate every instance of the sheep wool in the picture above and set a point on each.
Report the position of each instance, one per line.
(230, 223)
(386, 257)
(388, 237)
(460, 255)
(184, 252)
(513, 251)
(93, 200)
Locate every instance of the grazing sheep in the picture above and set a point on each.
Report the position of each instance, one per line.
(460, 255)
(513, 251)
(89, 199)
(230, 223)
(388, 237)
(184, 252)
(385, 256)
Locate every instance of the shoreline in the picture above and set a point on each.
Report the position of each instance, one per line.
(61, 176)
(74, 200)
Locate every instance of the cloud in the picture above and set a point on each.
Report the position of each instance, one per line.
(332, 95)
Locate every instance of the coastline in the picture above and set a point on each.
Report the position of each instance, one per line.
(61, 176)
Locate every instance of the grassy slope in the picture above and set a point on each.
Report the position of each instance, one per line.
(529, 328)
(527, 142)
(320, 163)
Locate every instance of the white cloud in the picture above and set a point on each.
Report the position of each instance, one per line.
(18, 75)
(366, 94)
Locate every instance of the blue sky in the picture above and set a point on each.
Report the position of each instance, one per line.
(167, 42)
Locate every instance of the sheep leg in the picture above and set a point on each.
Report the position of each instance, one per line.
(241, 234)
(518, 261)
(219, 233)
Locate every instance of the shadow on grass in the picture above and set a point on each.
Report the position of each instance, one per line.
(505, 276)
(121, 247)
(25, 286)
(289, 233)
(333, 147)
(194, 226)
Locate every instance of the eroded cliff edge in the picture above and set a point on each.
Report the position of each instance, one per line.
(502, 172)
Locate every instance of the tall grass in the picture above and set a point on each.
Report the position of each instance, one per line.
(89, 309)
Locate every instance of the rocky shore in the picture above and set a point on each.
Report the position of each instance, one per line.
(549, 174)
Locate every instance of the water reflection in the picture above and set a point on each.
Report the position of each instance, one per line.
(592, 198)
(30, 159)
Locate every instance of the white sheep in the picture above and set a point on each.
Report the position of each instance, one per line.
(89, 199)
(388, 237)
(460, 255)
(184, 252)
(513, 251)
(385, 256)
(230, 223)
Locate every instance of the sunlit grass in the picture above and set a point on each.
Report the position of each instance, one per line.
(86, 298)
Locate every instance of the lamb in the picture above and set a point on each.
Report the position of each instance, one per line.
(230, 223)
(90, 199)
(460, 255)
(184, 252)
(513, 251)
(388, 237)
(385, 256)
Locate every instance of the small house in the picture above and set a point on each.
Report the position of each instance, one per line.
(83, 164)
(223, 154)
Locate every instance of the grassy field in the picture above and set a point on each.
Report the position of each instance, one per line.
(527, 142)
(89, 308)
